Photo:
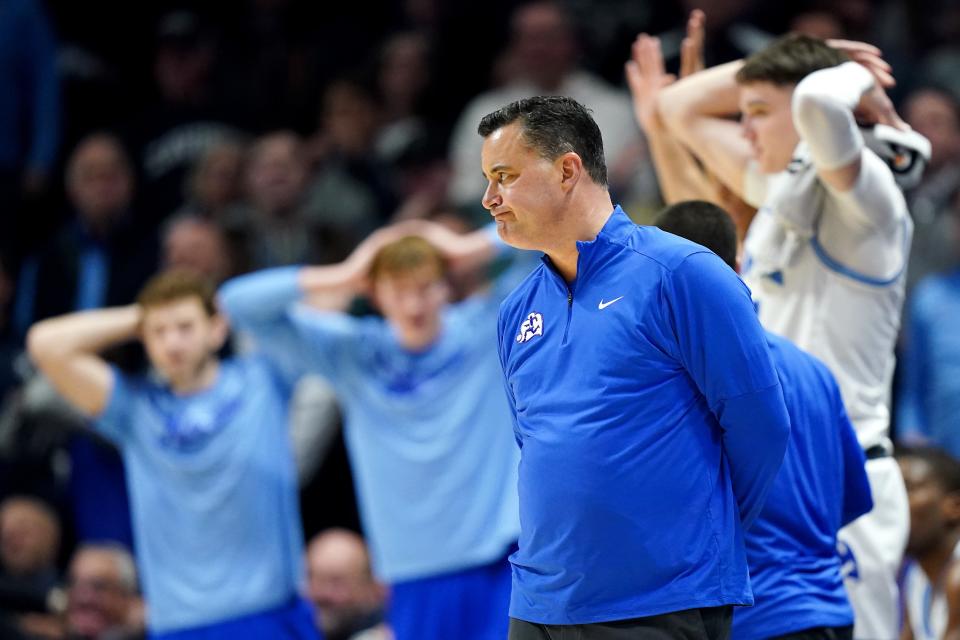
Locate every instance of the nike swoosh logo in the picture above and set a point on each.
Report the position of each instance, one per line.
(604, 305)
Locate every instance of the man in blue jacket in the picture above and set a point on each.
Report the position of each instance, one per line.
(650, 417)
(795, 571)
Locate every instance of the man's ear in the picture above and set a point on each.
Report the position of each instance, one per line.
(571, 169)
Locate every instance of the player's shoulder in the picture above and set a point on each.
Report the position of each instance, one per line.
(650, 245)
(794, 363)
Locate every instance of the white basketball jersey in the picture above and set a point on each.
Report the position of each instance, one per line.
(926, 605)
(829, 277)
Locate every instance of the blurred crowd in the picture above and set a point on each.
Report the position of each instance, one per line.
(229, 137)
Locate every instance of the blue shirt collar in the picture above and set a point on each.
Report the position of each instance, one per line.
(617, 227)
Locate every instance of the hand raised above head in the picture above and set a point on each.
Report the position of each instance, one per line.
(646, 76)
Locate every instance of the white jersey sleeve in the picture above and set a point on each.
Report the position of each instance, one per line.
(868, 228)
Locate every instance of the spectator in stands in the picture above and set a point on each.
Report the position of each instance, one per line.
(402, 79)
(928, 404)
(280, 224)
(102, 598)
(215, 183)
(187, 119)
(198, 245)
(935, 113)
(931, 575)
(543, 50)
(29, 111)
(353, 186)
(97, 258)
(29, 543)
(349, 601)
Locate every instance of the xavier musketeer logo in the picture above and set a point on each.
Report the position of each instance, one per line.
(532, 326)
(603, 305)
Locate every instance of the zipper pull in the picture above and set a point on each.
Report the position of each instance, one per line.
(570, 297)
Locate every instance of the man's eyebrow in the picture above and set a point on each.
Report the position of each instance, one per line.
(495, 169)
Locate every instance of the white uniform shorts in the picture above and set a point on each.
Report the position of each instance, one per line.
(872, 548)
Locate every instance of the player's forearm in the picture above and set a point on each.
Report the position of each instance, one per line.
(712, 93)
(85, 332)
(261, 297)
(823, 105)
(756, 430)
(678, 174)
(345, 276)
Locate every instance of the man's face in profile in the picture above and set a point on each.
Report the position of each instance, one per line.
(523, 188)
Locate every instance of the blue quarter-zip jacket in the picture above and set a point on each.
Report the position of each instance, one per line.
(651, 424)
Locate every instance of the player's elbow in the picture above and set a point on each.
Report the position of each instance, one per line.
(675, 111)
(43, 345)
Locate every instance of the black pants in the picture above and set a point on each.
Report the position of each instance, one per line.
(691, 624)
(820, 633)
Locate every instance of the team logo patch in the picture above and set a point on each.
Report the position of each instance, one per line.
(532, 326)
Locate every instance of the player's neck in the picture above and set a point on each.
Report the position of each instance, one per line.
(204, 378)
(935, 562)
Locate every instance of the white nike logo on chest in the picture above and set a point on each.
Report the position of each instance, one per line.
(603, 305)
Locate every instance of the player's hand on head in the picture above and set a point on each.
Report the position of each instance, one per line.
(876, 108)
(869, 56)
(646, 76)
(691, 49)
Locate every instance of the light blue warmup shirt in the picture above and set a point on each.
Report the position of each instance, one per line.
(428, 434)
(929, 403)
(651, 423)
(213, 494)
(822, 486)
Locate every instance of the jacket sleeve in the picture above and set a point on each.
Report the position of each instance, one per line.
(502, 335)
(723, 348)
(296, 340)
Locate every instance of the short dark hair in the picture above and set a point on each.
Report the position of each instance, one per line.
(788, 60)
(704, 223)
(944, 468)
(553, 126)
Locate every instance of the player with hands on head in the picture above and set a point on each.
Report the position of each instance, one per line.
(427, 428)
(825, 255)
(206, 448)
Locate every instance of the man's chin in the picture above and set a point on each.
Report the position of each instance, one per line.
(509, 235)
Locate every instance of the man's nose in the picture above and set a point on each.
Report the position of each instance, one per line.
(491, 197)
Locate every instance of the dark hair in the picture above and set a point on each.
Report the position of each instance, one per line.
(704, 223)
(944, 468)
(788, 60)
(553, 126)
